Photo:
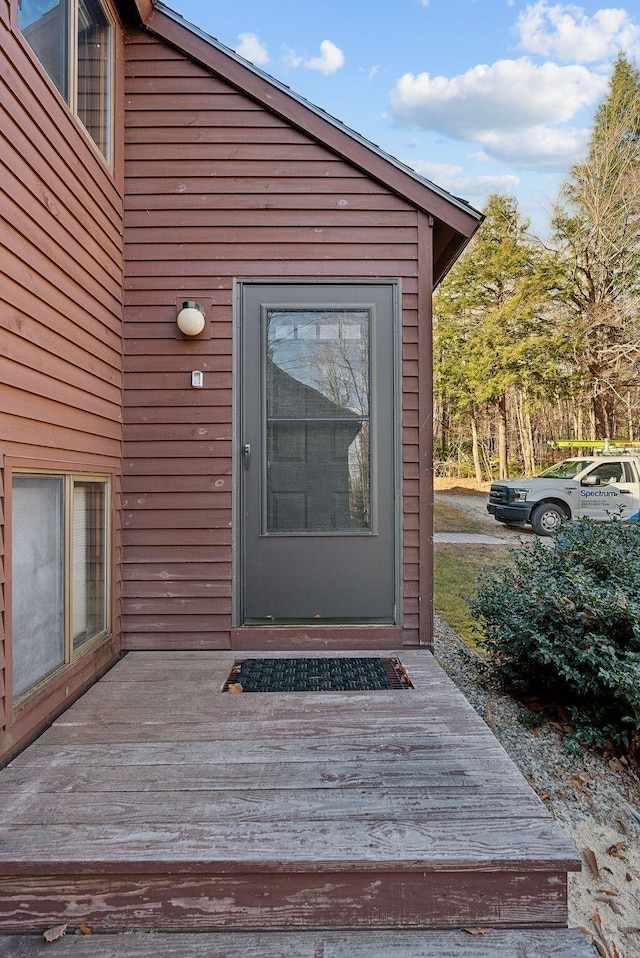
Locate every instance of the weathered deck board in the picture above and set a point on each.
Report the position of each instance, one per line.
(379, 944)
(178, 898)
(159, 801)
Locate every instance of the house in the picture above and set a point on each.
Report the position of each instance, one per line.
(264, 483)
(215, 322)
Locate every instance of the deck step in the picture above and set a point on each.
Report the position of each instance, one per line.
(560, 943)
(160, 802)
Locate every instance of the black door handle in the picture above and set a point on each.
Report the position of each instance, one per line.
(246, 454)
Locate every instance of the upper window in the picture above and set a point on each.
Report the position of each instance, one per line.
(73, 39)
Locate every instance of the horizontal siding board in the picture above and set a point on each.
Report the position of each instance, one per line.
(174, 575)
(220, 157)
(181, 136)
(181, 203)
(160, 415)
(147, 553)
(192, 254)
(174, 484)
(203, 519)
(267, 182)
(187, 276)
(144, 363)
(187, 588)
(202, 539)
(161, 622)
(177, 608)
(209, 237)
(177, 641)
(201, 466)
(270, 220)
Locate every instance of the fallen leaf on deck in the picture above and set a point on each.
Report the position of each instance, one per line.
(235, 687)
(590, 858)
(478, 931)
(58, 931)
(85, 930)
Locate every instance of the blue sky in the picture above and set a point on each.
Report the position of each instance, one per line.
(479, 96)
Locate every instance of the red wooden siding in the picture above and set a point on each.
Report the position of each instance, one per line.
(218, 187)
(60, 317)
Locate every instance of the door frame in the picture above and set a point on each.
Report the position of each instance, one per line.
(239, 285)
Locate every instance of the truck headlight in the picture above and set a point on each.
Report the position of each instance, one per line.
(519, 495)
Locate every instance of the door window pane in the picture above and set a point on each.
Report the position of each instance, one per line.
(317, 409)
(89, 561)
(37, 575)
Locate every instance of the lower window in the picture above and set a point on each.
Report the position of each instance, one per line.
(59, 583)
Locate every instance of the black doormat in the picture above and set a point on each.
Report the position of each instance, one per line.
(317, 675)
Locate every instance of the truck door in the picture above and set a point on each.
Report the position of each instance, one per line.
(611, 490)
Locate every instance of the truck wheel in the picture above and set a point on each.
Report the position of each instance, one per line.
(547, 518)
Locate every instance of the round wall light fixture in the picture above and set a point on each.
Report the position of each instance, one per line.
(190, 319)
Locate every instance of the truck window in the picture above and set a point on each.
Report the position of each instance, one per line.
(608, 472)
(566, 469)
(629, 473)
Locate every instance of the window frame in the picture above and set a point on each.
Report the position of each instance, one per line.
(73, 651)
(72, 84)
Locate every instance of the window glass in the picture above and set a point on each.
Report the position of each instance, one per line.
(317, 384)
(45, 25)
(73, 39)
(94, 72)
(88, 561)
(59, 566)
(37, 621)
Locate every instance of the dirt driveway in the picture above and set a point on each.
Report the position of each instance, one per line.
(474, 505)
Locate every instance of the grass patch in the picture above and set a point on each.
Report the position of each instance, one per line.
(449, 519)
(456, 570)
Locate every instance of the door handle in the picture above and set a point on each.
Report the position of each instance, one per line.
(246, 454)
(627, 492)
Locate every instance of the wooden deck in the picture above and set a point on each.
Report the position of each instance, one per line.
(159, 802)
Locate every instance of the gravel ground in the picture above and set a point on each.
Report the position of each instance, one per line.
(595, 799)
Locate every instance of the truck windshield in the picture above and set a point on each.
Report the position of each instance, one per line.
(566, 469)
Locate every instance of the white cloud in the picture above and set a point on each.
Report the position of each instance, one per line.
(330, 60)
(568, 33)
(538, 148)
(291, 59)
(508, 95)
(514, 110)
(252, 49)
(452, 178)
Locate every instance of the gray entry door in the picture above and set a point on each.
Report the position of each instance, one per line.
(318, 451)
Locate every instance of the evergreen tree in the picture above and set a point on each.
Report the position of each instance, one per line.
(495, 338)
(597, 228)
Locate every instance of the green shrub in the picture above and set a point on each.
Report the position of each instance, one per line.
(563, 621)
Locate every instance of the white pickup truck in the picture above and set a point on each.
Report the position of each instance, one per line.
(602, 487)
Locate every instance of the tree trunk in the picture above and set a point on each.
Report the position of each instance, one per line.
(503, 458)
(525, 433)
(476, 448)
